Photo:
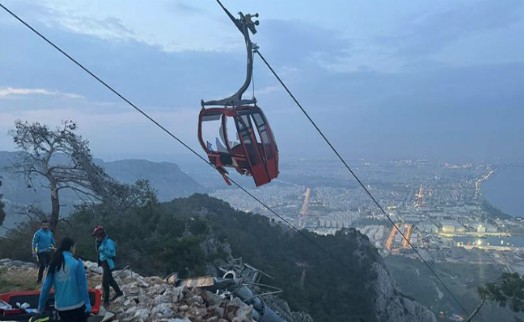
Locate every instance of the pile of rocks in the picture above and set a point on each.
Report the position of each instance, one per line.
(152, 299)
(15, 264)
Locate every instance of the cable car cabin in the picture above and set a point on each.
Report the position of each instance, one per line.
(235, 132)
(240, 138)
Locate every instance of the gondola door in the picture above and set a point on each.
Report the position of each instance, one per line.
(252, 148)
(269, 146)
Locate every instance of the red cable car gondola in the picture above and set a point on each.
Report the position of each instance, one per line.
(252, 150)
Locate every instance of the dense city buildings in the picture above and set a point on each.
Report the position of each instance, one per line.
(436, 208)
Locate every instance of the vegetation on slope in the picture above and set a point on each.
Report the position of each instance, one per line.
(161, 238)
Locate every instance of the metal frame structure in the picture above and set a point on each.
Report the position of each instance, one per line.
(256, 152)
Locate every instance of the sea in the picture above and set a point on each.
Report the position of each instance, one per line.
(505, 190)
(513, 241)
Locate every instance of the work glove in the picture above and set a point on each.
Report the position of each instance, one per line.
(41, 317)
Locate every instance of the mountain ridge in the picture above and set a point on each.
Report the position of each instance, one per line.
(166, 178)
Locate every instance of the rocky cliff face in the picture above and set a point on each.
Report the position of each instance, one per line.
(351, 283)
(390, 304)
(393, 306)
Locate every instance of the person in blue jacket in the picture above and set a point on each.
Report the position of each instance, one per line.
(67, 276)
(43, 241)
(106, 251)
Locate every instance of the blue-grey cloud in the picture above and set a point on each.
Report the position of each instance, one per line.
(183, 7)
(296, 41)
(145, 73)
(427, 34)
(107, 28)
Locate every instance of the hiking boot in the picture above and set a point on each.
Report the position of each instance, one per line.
(117, 295)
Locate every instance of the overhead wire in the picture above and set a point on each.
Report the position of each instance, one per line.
(238, 185)
(359, 181)
(102, 82)
(189, 148)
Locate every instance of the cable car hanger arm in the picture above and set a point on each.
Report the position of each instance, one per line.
(245, 24)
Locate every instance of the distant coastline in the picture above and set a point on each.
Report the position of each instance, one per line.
(478, 183)
(504, 190)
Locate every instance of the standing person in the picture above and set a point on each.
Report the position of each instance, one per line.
(43, 241)
(67, 276)
(106, 251)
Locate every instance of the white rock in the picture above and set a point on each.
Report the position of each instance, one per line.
(244, 314)
(142, 314)
(93, 267)
(163, 310)
(178, 293)
(195, 299)
(159, 299)
(10, 263)
(131, 310)
(108, 316)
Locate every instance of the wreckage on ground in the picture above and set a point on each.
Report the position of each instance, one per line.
(242, 280)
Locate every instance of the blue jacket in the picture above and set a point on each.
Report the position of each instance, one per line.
(42, 241)
(70, 286)
(107, 252)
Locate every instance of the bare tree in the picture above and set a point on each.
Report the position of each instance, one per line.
(60, 156)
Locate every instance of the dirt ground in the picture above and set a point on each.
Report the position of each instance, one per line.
(24, 279)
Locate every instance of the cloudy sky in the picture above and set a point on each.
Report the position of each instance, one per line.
(387, 79)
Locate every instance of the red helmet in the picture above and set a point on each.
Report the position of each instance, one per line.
(99, 231)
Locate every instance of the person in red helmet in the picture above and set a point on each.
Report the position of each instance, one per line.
(106, 251)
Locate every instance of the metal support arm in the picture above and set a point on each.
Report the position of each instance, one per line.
(245, 25)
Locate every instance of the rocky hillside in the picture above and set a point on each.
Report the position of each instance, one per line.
(350, 284)
(389, 304)
(152, 298)
(333, 278)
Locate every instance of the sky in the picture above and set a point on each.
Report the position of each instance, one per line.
(387, 79)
